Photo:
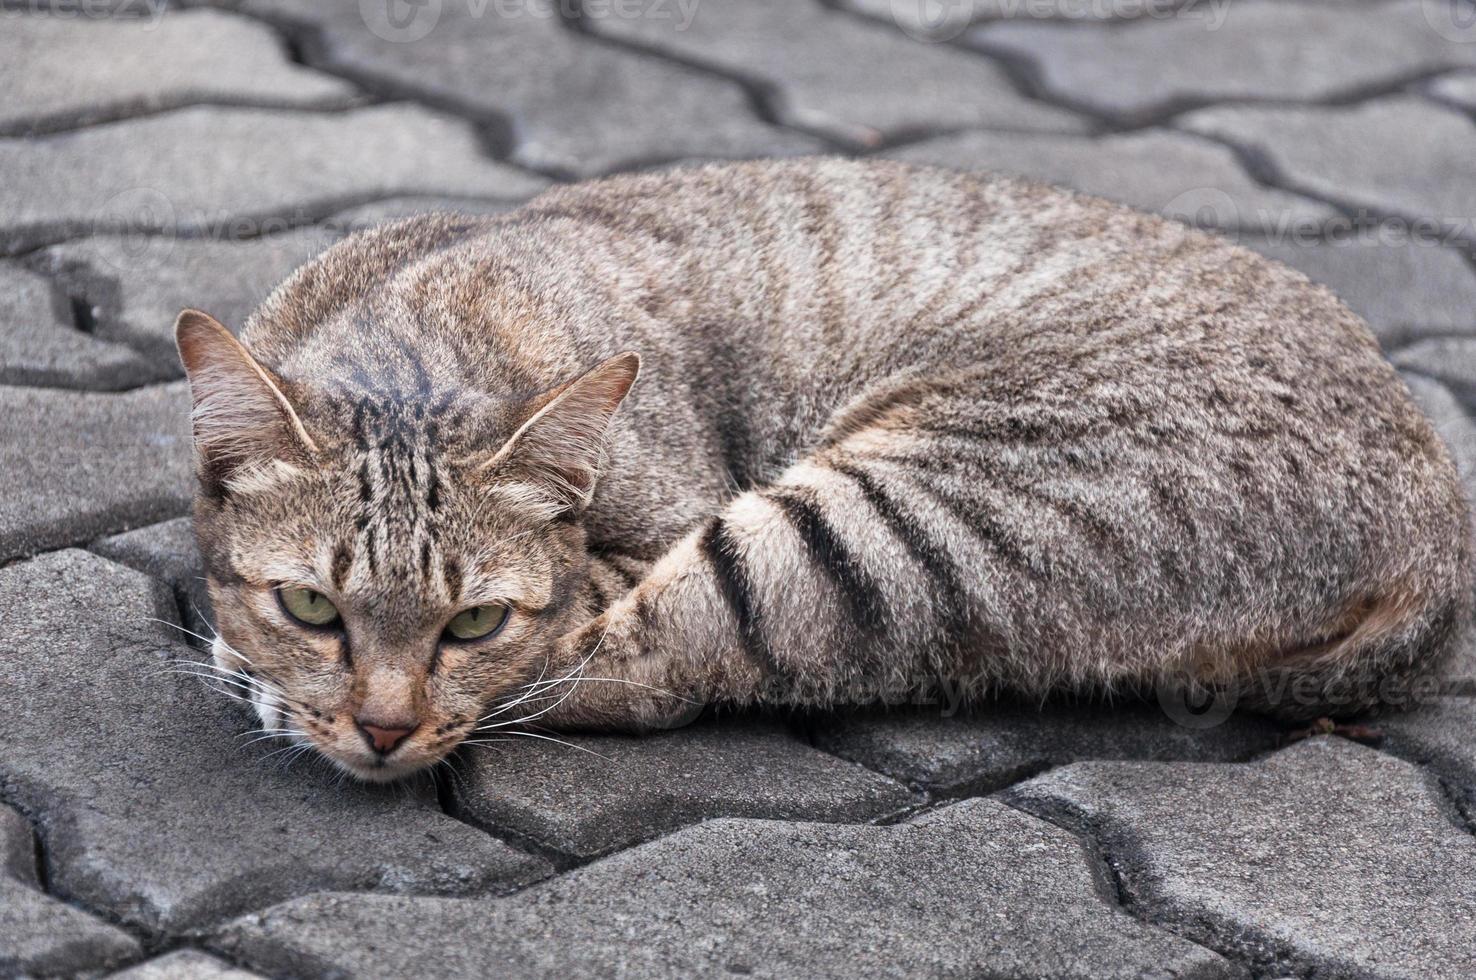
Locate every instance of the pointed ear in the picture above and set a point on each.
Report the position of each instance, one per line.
(241, 418)
(557, 454)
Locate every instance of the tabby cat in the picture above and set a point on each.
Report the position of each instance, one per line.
(895, 427)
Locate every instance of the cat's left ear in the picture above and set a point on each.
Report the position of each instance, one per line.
(556, 454)
(241, 418)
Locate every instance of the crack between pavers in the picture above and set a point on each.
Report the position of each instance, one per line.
(46, 885)
(20, 242)
(124, 112)
(305, 44)
(83, 544)
(765, 98)
(1454, 797)
(1113, 867)
(1026, 71)
(1259, 164)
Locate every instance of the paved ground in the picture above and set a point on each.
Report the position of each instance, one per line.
(151, 159)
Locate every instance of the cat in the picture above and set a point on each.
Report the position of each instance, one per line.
(894, 425)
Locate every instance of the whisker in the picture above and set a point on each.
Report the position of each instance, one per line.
(550, 738)
(176, 627)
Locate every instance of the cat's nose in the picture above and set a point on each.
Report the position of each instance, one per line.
(384, 736)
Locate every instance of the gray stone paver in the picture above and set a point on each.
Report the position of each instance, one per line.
(1403, 289)
(1253, 49)
(611, 792)
(40, 345)
(976, 889)
(1450, 360)
(998, 744)
(842, 75)
(263, 166)
(1440, 737)
(575, 106)
(930, 20)
(74, 465)
(117, 68)
(1457, 87)
(261, 131)
(38, 934)
(166, 551)
(1177, 174)
(185, 964)
(1401, 155)
(135, 285)
(224, 830)
(1326, 856)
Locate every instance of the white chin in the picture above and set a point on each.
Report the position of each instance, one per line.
(386, 772)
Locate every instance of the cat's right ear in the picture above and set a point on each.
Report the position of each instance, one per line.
(241, 417)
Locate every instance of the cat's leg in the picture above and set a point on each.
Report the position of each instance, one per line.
(841, 582)
(1086, 539)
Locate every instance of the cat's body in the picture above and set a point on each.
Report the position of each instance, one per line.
(893, 424)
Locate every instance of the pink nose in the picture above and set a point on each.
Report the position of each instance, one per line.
(384, 738)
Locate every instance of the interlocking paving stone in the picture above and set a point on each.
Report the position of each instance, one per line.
(1327, 856)
(844, 75)
(1402, 289)
(213, 170)
(1450, 360)
(930, 20)
(974, 889)
(1001, 743)
(1186, 177)
(148, 802)
(1255, 49)
(1458, 87)
(38, 934)
(135, 285)
(636, 788)
(1400, 155)
(72, 71)
(39, 344)
(1441, 735)
(168, 552)
(185, 964)
(1458, 430)
(574, 106)
(75, 465)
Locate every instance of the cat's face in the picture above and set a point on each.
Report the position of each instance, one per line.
(384, 587)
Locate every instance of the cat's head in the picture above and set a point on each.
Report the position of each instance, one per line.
(387, 569)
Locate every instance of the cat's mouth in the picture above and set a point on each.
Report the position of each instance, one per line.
(353, 755)
(379, 769)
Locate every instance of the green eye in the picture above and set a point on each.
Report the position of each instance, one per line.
(476, 623)
(308, 606)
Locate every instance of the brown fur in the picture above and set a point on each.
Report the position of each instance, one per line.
(893, 425)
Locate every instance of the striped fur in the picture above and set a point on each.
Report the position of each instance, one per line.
(895, 426)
